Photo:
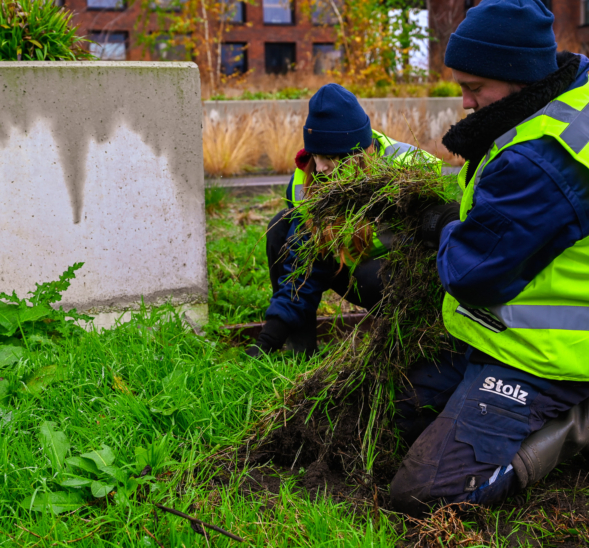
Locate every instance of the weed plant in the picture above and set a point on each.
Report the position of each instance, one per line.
(341, 412)
(372, 194)
(39, 30)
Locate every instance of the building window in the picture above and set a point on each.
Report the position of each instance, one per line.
(109, 46)
(280, 57)
(165, 49)
(326, 57)
(278, 12)
(234, 58)
(235, 11)
(323, 12)
(106, 4)
(166, 5)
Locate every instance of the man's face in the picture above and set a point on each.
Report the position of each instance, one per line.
(479, 92)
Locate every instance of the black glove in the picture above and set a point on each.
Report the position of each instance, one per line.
(273, 335)
(434, 219)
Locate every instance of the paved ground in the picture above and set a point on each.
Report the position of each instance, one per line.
(270, 180)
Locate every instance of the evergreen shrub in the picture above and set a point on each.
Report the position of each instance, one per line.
(38, 30)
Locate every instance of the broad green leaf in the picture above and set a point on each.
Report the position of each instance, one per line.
(59, 502)
(33, 313)
(142, 457)
(10, 354)
(55, 444)
(83, 464)
(102, 458)
(100, 489)
(43, 377)
(75, 481)
(115, 472)
(8, 319)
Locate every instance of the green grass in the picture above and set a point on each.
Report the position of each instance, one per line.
(239, 283)
(152, 382)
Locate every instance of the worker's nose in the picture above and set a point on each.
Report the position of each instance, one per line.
(322, 167)
(468, 101)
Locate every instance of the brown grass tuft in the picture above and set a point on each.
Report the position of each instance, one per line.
(445, 528)
(283, 138)
(230, 144)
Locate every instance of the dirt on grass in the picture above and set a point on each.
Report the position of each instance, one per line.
(554, 512)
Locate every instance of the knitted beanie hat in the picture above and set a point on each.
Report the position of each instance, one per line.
(336, 123)
(508, 40)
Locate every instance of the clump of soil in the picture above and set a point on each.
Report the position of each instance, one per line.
(325, 441)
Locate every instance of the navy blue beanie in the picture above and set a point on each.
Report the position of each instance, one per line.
(508, 40)
(336, 123)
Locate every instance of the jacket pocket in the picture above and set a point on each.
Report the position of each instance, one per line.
(494, 433)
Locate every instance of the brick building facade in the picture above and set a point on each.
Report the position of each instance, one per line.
(271, 36)
(276, 35)
(571, 26)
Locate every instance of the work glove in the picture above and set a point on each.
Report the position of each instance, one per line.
(435, 218)
(273, 335)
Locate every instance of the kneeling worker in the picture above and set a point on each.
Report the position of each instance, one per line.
(336, 128)
(515, 267)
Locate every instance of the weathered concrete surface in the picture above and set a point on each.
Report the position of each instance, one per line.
(102, 163)
(441, 111)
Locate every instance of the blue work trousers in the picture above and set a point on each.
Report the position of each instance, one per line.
(465, 422)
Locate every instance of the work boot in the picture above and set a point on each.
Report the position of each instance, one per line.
(304, 340)
(558, 440)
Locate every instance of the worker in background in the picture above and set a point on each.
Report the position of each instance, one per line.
(336, 128)
(515, 264)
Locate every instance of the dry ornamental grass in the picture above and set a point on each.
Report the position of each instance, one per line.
(270, 140)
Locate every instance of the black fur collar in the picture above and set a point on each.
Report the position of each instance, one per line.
(472, 137)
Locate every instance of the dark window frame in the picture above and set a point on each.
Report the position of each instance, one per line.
(292, 17)
(292, 45)
(314, 44)
(335, 22)
(126, 41)
(156, 54)
(584, 13)
(243, 11)
(124, 7)
(244, 52)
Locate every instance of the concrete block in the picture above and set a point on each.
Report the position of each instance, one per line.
(101, 162)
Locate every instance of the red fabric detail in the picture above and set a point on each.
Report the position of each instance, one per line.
(302, 158)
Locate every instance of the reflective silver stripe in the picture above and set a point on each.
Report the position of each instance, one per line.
(521, 316)
(559, 111)
(397, 149)
(506, 138)
(577, 134)
(299, 191)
